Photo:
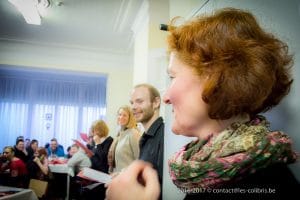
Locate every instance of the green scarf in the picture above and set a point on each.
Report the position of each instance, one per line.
(239, 150)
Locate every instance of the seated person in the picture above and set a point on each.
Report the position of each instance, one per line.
(3, 174)
(27, 142)
(68, 156)
(20, 151)
(20, 137)
(16, 167)
(31, 149)
(78, 159)
(55, 149)
(38, 165)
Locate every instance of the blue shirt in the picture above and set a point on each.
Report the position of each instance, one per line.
(59, 151)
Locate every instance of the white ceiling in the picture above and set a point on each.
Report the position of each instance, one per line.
(101, 25)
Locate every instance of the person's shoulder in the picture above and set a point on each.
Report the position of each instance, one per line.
(134, 132)
(17, 161)
(109, 139)
(107, 142)
(278, 178)
(159, 121)
(60, 147)
(157, 127)
(276, 173)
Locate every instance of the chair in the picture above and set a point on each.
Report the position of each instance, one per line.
(39, 187)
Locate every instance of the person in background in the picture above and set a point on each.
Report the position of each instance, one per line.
(125, 148)
(77, 162)
(90, 143)
(4, 175)
(17, 169)
(225, 70)
(41, 161)
(47, 145)
(69, 152)
(102, 141)
(32, 148)
(20, 151)
(21, 137)
(55, 149)
(78, 159)
(145, 103)
(27, 143)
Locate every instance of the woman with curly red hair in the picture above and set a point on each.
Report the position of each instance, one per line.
(225, 70)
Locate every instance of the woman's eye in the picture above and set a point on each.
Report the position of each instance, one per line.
(171, 77)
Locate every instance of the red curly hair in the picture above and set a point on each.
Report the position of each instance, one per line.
(42, 151)
(247, 68)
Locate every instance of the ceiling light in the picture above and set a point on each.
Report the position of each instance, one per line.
(32, 10)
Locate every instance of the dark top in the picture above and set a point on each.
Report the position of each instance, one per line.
(21, 155)
(99, 159)
(274, 182)
(30, 152)
(152, 146)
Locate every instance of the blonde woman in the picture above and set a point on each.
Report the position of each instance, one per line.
(125, 148)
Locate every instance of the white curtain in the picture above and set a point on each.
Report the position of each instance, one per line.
(89, 114)
(67, 124)
(13, 122)
(44, 105)
(41, 125)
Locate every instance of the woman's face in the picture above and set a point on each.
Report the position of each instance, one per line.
(123, 117)
(34, 146)
(7, 153)
(185, 95)
(95, 135)
(36, 153)
(20, 146)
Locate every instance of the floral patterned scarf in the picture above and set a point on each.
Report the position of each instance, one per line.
(239, 150)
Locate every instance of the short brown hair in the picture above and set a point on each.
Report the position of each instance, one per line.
(247, 69)
(101, 127)
(154, 93)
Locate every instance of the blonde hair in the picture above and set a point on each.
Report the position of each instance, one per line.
(131, 120)
(101, 127)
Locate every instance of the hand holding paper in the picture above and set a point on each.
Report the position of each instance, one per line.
(94, 175)
(87, 151)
